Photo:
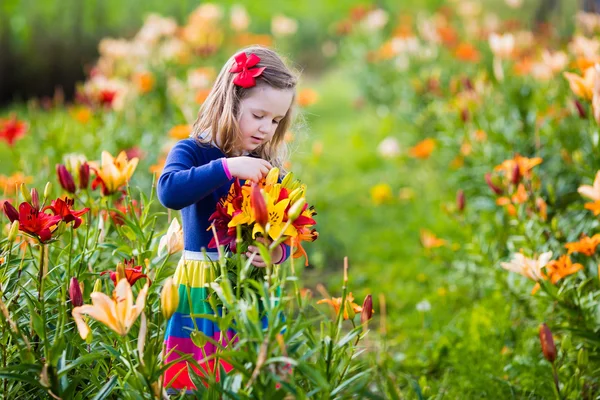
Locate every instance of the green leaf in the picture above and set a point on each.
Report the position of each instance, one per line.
(106, 389)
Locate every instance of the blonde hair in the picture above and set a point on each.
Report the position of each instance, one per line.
(218, 116)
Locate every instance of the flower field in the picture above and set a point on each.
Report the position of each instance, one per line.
(442, 209)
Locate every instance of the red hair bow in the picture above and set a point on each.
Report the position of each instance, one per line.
(245, 75)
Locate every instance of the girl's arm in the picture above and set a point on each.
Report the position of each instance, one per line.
(182, 184)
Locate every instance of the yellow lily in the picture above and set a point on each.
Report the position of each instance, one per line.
(114, 172)
(275, 226)
(118, 313)
(582, 86)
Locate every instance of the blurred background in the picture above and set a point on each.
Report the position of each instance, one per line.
(50, 45)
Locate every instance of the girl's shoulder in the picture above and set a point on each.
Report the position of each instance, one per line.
(196, 149)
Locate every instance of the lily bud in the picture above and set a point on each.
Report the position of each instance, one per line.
(25, 193)
(488, 180)
(516, 175)
(548, 347)
(11, 212)
(13, 232)
(582, 358)
(169, 298)
(287, 179)
(75, 293)
(460, 200)
(580, 109)
(296, 209)
(120, 273)
(272, 176)
(84, 175)
(65, 178)
(259, 206)
(35, 199)
(367, 309)
(97, 286)
(464, 115)
(47, 190)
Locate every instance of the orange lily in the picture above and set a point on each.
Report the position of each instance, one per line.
(561, 268)
(336, 303)
(525, 165)
(423, 149)
(586, 245)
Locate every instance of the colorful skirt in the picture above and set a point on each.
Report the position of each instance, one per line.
(193, 274)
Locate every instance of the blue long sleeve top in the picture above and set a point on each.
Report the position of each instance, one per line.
(193, 180)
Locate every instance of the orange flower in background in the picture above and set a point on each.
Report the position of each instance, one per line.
(480, 135)
(523, 66)
(542, 208)
(12, 129)
(447, 34)
(247, 39)
(423, 149)
(561, 268)
(9, 184)
(593, 207)
(158, 167)
(430, 241)
(81, 114)
(525, 165)
(467, 52)
(201, 96)
(180, 131)
(144, 81)
(336, 303)
(307, 97)
(586, 245)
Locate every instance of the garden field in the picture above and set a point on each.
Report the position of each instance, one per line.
(450, 150)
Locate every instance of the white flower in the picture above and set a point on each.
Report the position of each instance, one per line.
(528, 267)
(239, 18)
(155, 27)
(173, 240)
(389, 147)
(502, 45)
(514, 3)
(556, 61)
(424, 306)
(375, 20)
(283, 26)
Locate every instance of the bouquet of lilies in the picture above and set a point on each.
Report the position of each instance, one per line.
(269, 211)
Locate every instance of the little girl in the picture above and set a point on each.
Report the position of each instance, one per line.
(238, 134)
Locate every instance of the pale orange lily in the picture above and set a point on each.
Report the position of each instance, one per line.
(114, 172)
(592, 192)
(430, 241)
(117, 313)
(180, 131)
(528, 267)
(582, 86)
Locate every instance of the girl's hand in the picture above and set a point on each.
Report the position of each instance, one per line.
(248, 168)
(258, 261)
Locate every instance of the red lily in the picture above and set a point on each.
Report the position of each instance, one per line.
(132, 274)
(63, 208)
(12, 129)
(220, 220)
(33, 221)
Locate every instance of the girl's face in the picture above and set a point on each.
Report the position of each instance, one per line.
(260, 114)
